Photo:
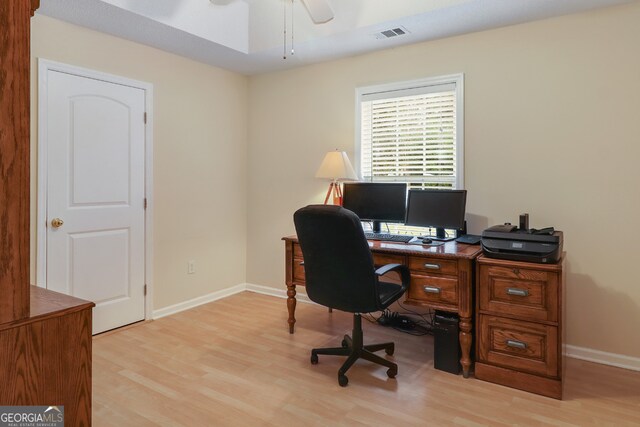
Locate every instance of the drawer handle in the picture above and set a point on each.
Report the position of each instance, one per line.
(516, 271)
(431, 290)
(517, 344)
(301, 262)
(432, 266)
(518, 292)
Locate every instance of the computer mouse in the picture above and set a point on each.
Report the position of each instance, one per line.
(426, 241)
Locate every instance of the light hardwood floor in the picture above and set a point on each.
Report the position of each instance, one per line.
(233, 363)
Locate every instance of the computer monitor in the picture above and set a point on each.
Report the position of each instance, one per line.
(376, 202)
(439, 209)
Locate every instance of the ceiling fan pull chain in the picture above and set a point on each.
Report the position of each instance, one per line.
(284, 9)
(292, 33)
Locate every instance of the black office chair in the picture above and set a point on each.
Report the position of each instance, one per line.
(340, 274)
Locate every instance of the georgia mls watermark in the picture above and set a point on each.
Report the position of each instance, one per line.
(31, 416)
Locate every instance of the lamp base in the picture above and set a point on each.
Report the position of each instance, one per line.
(334, 188)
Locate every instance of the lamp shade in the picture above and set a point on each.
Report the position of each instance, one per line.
(336, 166)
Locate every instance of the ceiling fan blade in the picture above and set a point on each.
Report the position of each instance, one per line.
(319, 10)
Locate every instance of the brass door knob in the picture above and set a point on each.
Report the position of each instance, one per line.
(56, 222)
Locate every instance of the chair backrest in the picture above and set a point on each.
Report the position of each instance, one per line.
(339, 268)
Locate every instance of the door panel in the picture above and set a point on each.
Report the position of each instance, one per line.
(108, 278)
(95, 184)
(100, 150)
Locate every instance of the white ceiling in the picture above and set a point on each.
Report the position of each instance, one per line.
(247, 35)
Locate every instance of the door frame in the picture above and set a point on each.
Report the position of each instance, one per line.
(44, 66)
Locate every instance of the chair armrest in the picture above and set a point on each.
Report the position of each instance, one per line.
(402, 269)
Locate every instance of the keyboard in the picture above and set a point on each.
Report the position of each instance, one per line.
(388, 237)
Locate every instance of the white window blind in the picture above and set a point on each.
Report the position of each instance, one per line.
(411, 132)
(410, 136)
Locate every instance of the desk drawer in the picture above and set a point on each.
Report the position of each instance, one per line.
(525, 293)
(380, 259)
(524, 346)
(297, 250)
(433, 289)
(433, 265)
(298, 271)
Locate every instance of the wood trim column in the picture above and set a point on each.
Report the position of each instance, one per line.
(15, 34)
(35, 4)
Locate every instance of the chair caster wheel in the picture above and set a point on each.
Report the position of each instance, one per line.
(345, 344)
(343, 380)
(389, 350)
(391, 372)
(314, 359)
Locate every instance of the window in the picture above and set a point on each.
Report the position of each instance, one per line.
(412, 132)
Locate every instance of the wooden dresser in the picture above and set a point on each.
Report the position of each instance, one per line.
(45, 358)
(519, 325)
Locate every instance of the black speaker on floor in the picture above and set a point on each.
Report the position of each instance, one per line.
(445, 342)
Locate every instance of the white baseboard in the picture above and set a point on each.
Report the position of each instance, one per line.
(603, 357)
(277, 292)
(214, 296)
(186, 305)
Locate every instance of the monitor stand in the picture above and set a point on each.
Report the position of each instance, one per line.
(375, 227)
(441, 236)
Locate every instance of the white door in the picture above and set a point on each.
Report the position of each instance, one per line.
(95, 195)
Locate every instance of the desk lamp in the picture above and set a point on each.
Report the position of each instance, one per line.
(336, 167)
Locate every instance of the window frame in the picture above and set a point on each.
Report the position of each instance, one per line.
(455, 79)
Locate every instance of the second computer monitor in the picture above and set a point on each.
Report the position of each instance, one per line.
(439, 209)
(377, 202)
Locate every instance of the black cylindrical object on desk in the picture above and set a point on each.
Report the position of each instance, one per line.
(524, 222)
(445, 340)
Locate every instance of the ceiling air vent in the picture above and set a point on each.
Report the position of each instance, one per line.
(392, 32)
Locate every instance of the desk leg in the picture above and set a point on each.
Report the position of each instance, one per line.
(465, 344)
(291, 305)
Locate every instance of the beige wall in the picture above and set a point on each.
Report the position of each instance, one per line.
(200, 148)
(551, 129)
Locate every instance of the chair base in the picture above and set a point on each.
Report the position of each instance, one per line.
(354, 349)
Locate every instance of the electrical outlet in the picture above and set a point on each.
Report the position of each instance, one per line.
(191, 267)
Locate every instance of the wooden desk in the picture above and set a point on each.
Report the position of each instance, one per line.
(441, 278)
